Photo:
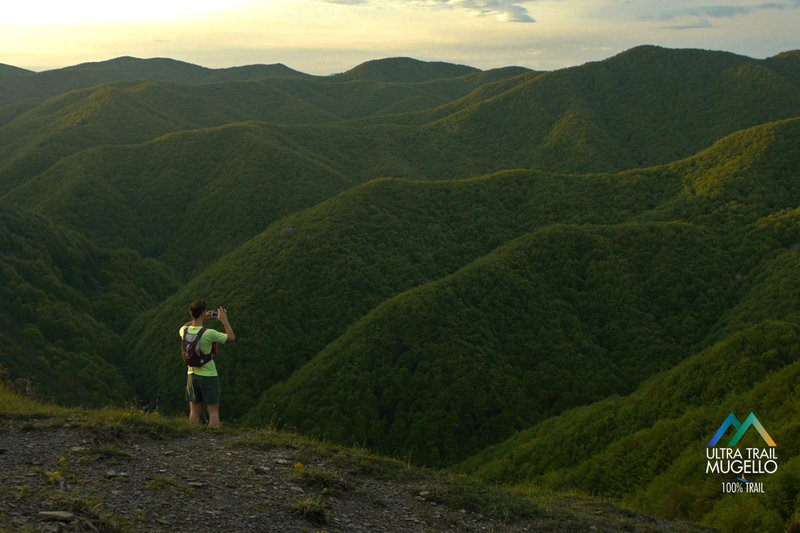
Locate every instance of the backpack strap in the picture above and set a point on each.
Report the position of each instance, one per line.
(199, 333)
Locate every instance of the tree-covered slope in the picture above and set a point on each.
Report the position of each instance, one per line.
(560, 317)
(665, 297)
(108, 115)
(646, 106)
(34, 136)
(301, 284)
(53, 82)
(10, 70)
(308, 278)
(263, 173)
(186, 198)
(64, 305)
(647, 448)
(787, 64)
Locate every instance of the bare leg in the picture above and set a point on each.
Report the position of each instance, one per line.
(194, 412)
(213, 415)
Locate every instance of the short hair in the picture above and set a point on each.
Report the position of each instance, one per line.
(197, 308)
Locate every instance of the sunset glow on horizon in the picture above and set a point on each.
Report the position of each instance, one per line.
(322, 37)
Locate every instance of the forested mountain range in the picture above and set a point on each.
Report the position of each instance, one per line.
(424, 258)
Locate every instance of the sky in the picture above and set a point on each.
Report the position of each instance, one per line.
(328, 36)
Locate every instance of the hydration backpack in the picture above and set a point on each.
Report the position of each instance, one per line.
(190, 349)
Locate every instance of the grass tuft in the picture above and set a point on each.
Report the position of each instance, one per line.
(314, 509)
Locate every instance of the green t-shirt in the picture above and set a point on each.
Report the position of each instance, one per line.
(209, 337)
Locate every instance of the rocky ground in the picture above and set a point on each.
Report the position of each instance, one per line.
(59, 476)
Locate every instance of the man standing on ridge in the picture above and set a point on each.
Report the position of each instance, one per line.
(202, 382)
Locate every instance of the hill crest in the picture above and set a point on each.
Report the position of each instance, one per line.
(168, 69)
(405, 69)
(11, 70)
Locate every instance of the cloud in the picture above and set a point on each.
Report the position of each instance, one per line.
(700, 24)
(721, 11)
(502, 10)
(506, 11)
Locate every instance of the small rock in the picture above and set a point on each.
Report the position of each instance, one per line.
(197, 484)
(262, 469)
(282, 461)
(424, 492)
(296, 488)
(62, 516)
(419, 498)
(78, 449)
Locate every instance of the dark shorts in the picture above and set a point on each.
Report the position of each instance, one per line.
(202, 389)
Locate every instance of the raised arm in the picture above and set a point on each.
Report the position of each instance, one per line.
(223, 317)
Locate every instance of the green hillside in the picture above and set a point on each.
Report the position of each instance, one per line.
(617, 446)
(64, 305)
(571, 289)
(561, 279)
(360, 248)
(112, 114)
(643, 107)
(50, 83)
(34, 136)
(155, 69)
(366, 245)
(786, 64)
(560, 317)
(162, 198)
(9, 70)
(278, 161)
